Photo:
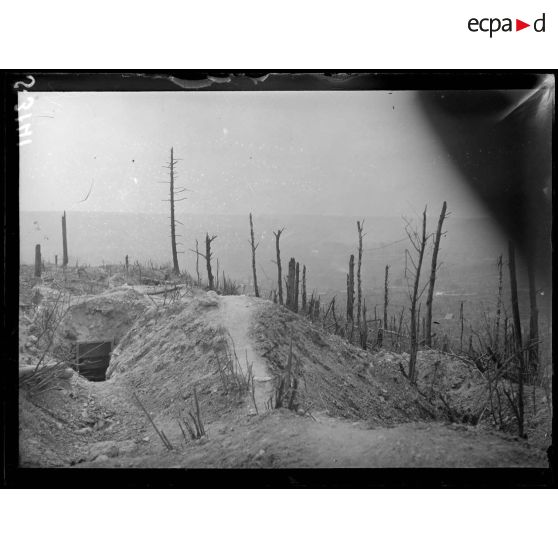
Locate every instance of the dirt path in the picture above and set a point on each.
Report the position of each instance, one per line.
(236, 314)
(283, 439)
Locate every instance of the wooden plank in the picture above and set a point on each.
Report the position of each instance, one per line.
(92, 349)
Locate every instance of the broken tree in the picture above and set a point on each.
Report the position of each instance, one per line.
(292, 283)
(38, 260)
(418, 242)
(279, 272)
(351, 296)
(386, 301)
(518, 404)
(172, 200)
(254, 246)
(304, 288)
(359, 265)
(64, 242)
(208, 241)
(433, 270)
(207, 256)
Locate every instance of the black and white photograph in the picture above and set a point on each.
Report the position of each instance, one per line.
(285, 271)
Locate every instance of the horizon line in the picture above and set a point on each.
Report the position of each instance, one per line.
(348, 216)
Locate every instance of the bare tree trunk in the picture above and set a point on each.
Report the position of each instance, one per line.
(420, 245)
(359, 265)
(304, 288)
(518, 337)
(335, 324)
(291, 285)
(386, 301)
(254, 247)
(433, 269)
(461, 321)
(498, 306)
(197, 262)
(127, 264)
(64, 242)
(533, 321)
(208, 241)
(351, 289)
(297, 283)
(364, 329)
(38, 265)
(279, 271)
(176, 270)
(418, 324)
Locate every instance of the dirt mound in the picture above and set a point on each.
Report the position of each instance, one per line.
(451, 384)
(170, 351)
(335, 376)
(51, 422)
(106, 316)
(173, 348)
(456, 387)
(77, 422)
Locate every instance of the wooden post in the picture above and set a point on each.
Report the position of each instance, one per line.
(55, 260)
(64, 242)
(38, 262)
(127, 263)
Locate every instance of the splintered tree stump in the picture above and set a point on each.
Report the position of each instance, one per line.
(38, 262)
(64, 242)
(351, 289)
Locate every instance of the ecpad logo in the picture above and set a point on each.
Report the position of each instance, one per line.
(493, 25)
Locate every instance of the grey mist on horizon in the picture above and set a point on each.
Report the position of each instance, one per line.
(326, 153)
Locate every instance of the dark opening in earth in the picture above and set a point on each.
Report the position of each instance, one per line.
(93, 358)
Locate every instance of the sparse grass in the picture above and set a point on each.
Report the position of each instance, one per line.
(193, 423)
(160, 433)
(286, 393)
(228, 286)
(233, 377)
(47, 373)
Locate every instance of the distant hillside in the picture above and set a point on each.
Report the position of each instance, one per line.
(322, 243)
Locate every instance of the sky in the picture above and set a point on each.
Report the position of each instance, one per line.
(348, 153)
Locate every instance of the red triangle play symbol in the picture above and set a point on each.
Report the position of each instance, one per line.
(519, 25)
